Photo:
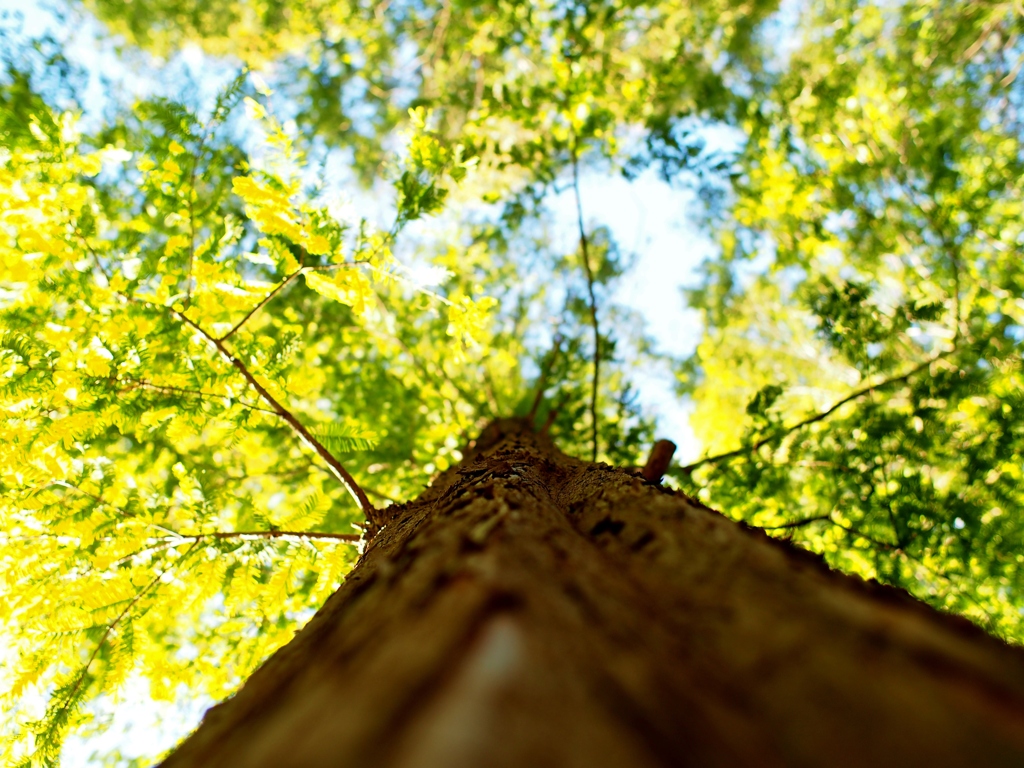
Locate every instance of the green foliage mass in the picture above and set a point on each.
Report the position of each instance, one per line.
(236, 324)
(881, 182)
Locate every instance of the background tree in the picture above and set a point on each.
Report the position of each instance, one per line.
(216, 372)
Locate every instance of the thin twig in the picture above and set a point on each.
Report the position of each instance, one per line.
(263, 302)
(167, 388)
(659, 461)
(151, 549)
(339, 471)
(585, 253)
(266, 299)
(688, 469)
(73, 487)
(896, 549)
(830, 519)
(92, 252)
(166, 542)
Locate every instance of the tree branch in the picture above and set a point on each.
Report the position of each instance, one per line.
(855, 395)
(166, 542)
(349, 537)
(263, 302)
(584, 252)
(336, 467)
(70, 699)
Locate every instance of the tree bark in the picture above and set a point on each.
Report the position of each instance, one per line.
(530, 609)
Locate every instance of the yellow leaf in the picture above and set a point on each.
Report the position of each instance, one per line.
(318, 245)
(175, 243)
(348, 286)
(254, 110)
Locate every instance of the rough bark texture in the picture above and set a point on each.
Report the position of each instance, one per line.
(534, 610)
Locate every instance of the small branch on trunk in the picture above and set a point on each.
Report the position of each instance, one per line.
(659, 460)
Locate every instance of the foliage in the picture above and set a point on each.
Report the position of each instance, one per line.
(514, 79)
(219, 357)
(170, 392)
(881, 182)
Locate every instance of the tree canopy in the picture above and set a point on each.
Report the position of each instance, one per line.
(246, 305)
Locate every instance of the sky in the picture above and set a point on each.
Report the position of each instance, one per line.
(649, 219)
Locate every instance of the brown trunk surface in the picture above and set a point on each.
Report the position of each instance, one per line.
(530, 609)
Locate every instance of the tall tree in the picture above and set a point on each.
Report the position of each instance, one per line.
(220, 378)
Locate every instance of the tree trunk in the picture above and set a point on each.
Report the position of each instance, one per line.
(530, 609)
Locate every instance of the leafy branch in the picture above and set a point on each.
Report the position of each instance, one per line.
(180, 537)
(797, 523)
(58, 716)
(784, 432)
(896, 548)
(351, 537)
(167, 542)
(130, 384)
